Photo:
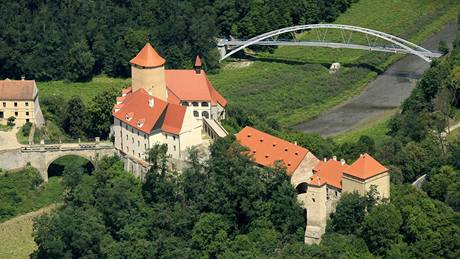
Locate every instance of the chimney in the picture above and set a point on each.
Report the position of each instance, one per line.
(325, 159)
(342, 161)
(198, 65)
(335, 158)
(295, 143)
(23, 77)
(151, 102)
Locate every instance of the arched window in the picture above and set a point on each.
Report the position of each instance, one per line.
(205, 104)
(205, 114)
(195, 104)
(184, 103)
(196, 114)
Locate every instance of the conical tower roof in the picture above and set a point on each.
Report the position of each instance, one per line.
(148, 57)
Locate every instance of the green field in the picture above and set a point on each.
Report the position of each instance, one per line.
(16, 239)
(85, 90)
(293, 84)
(19, 196)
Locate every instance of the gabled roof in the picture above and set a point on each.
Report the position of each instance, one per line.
(267, 149)
(148, 57)
(136, 106)
(329, 172)
(187, 85)
(173, 119)
(18, 89)
(365, 167)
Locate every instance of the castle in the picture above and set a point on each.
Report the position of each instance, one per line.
(179, 108)
(319, 183)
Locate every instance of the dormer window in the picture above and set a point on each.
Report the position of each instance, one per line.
(184, 103)
(204, 104)
(129, 116)
(140, 123)
(195, 104)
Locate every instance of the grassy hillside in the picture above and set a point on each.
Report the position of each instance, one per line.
(16, 239)
(85, 90)
(19, 193)
(293, 84)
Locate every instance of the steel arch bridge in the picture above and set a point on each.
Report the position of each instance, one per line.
(398, 45)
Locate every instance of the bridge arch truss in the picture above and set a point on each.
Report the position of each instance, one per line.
(399, 45)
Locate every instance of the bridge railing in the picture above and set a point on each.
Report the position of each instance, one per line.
(67, 146)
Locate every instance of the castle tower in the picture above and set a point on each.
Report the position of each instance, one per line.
(148, 72)
(364, 173)
(316, 204)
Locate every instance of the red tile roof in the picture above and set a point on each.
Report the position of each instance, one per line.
(365, 167)
(267, 149)
(173, 119)
(148, 57)
(18, 89)
(187, 85)
(329, 172)
(136, 106)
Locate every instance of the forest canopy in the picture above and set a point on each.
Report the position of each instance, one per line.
(75, 40)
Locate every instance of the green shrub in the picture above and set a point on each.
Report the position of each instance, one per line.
(11, 121)
(26, 128)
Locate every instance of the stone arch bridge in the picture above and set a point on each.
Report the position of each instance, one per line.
(41, 156)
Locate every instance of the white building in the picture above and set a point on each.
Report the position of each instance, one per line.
(163, 107)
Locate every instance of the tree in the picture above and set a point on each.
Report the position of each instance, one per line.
(438, 181)
(380, 237)
(349, 214)
(209, 235)
(80, 62)
(443, 47)
(10, 121)
(101, 113)
(75, 122)
(70, 233)
(159, 184)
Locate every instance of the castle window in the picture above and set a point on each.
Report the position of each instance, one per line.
(184, 103)
(16, 114)
(313, 199)
(174, 138)
(15, 104)
(138, 143)
(27, 103)
(27, 113)
(205, 114)
(174, 147)
(195, 104)
(4, 104)
(196, 114)
(204, 104)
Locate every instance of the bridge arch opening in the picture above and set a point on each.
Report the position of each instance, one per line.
(75, 162)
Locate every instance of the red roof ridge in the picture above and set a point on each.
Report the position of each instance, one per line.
(365, 167)
(148, 57)
(267, 154)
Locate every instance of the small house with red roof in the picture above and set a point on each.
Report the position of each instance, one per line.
(164, 107)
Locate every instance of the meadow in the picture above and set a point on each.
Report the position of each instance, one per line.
(293, 84)
(16, 239)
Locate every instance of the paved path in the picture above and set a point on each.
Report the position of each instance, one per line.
(8, 139)
(387, 92)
